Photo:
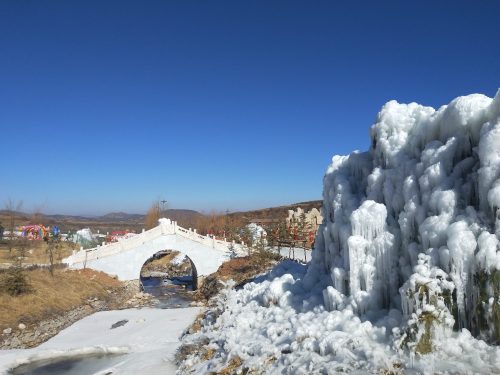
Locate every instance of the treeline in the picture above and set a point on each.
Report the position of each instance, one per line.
(233, 227)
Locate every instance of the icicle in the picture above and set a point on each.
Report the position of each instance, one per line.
(339, 278)
(462, 243)
(357, 247)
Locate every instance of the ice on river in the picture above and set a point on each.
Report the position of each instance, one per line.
(149, 339)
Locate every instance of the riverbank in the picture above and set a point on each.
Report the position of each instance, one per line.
(57, 302)
(147, 339)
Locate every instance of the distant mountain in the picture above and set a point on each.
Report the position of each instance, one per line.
(59, 217)
(120, 216)
(183, 216)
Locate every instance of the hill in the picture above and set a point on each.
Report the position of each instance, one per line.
(273, 213)
(125, 221)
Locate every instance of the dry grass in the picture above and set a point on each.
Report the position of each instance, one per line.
(164, 260)
(208, 354)
(197, 324)
(164, 264)
(232, 366)
(245, 268)
(36, 252)
(53, 295)
(241, 270)
(397, 369)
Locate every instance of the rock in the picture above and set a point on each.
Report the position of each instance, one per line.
(210, 287)
(7, 331)
(15, 342)
(22, 326)
(119, 324)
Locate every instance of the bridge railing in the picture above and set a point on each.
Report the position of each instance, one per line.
(165, 227)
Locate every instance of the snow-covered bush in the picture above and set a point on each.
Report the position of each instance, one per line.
(426, 299)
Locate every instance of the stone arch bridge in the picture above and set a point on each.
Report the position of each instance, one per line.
(126, 257)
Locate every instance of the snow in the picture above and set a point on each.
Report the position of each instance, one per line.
(179, 259)
(276, 326)
(257, 232)
(488, 257)
(149, 340)
(404, 270)
(84, 237)
(295, 253)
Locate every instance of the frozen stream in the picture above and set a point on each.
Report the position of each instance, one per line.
(144, 341)
(170, 293)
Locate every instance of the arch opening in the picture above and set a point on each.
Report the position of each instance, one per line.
(171, 277)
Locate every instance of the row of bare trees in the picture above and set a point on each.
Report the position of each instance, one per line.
(296, 232)
(220, 225)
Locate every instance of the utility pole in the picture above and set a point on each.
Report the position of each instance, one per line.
(163, 205)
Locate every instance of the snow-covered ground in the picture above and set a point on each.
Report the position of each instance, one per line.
(149, 339)
(278, 325)
(179, 259)
(296, 253)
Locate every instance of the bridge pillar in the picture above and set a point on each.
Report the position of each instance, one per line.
(198, 282)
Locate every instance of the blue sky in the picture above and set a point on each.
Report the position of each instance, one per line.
(110, 105)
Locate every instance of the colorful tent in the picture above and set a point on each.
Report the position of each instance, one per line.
(34, 232)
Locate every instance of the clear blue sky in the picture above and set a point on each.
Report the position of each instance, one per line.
(109, 105)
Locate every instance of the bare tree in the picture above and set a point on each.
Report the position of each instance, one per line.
(152, 216)
(12, 209)
(53, 250)
(37, 216)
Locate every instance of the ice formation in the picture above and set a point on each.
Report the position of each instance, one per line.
(406, 266)
(84, 237)
(429, 185)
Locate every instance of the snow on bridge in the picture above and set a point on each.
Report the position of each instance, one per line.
(126, 257)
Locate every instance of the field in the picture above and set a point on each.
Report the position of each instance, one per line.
(51, 296)
(35, 252)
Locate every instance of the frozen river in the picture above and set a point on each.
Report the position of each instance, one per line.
(144, 342)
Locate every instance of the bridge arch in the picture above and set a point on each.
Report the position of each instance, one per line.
(126, 258)
(174, 267)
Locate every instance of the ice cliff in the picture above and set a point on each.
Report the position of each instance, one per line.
(414, 223)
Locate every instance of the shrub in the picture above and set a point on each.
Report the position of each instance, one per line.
(15, 282)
